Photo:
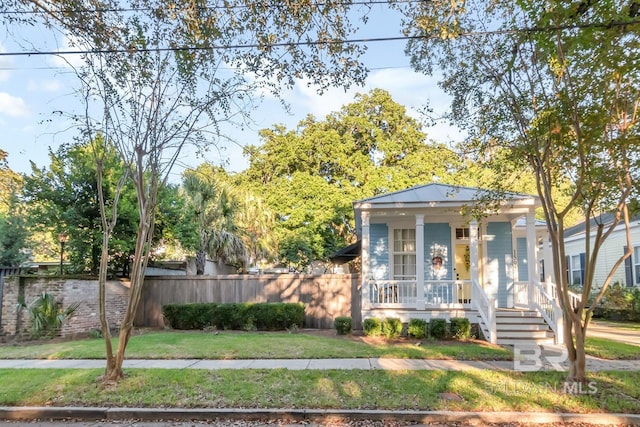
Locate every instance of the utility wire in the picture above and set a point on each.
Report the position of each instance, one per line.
(324, 42)
(237, 6)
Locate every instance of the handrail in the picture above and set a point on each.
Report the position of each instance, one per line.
(574, 298)
(546, 305)
(486, 310)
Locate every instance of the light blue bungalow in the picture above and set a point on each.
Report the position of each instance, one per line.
(424, 256)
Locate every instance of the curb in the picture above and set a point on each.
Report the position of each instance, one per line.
(312, 415)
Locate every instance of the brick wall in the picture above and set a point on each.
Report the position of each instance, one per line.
(67, 292)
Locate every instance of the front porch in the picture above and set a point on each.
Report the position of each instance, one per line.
(533, 315)
(424, 256)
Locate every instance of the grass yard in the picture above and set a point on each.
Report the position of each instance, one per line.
(476, 390)
(611, 350)
(258, 345)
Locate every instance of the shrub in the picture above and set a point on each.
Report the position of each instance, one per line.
(417, 328)
(372, 327)
(189, 316)
(460, 328)
(438, 329)
(619, 303)
(343, 325)
(391, 327)
(245, 316)
(47, 315)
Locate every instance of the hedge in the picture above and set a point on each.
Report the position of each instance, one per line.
(260, 316)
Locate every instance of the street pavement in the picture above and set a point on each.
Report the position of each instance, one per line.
(603, 330)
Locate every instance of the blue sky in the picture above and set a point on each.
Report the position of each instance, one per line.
(33, 88)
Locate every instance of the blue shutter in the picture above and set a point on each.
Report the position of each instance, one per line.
(567, 269)
(628, 268)
(582, 262)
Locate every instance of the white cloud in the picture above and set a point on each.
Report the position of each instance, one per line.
(13, 106)
(408, 88)
(44, 85)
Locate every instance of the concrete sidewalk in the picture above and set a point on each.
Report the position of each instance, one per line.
(593, 364)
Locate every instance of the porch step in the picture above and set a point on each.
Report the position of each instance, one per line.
(525, 341)
(522, 327)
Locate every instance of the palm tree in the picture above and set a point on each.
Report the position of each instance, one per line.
(213, 208)
(256, 222)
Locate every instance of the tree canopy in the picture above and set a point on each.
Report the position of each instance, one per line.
(552, 87)
(310, 176)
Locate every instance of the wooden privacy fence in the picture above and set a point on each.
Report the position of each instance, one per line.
(325, 296)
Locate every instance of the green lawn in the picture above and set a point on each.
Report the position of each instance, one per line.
(478, 390)
(257, 345)
(418, 390)
(612, 350)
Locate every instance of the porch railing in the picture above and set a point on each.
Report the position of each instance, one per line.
(521, 294)
(404, 293)
(486, 308)
(398, 292)
(545, 303)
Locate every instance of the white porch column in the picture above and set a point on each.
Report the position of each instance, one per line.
(474, 253)
(419, 262)
(366, 300)
(547, 255)
(532, 254)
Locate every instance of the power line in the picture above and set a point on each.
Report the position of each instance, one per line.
(607, 25)
(237, 6)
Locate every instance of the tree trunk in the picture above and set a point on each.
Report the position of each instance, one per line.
(576, 353)
(114, 372)
(201, 262)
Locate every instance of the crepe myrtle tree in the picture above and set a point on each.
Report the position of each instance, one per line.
(552, 87)
(157, 77)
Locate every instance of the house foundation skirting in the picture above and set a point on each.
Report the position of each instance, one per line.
(405, 314)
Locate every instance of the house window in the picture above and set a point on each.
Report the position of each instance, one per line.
(404, 254)
(462, 233)
(577, 269)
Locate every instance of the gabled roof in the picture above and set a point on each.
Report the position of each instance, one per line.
(434, 193)
(605, 218)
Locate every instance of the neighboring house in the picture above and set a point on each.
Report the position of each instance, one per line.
(424, 256)
(627, 274)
